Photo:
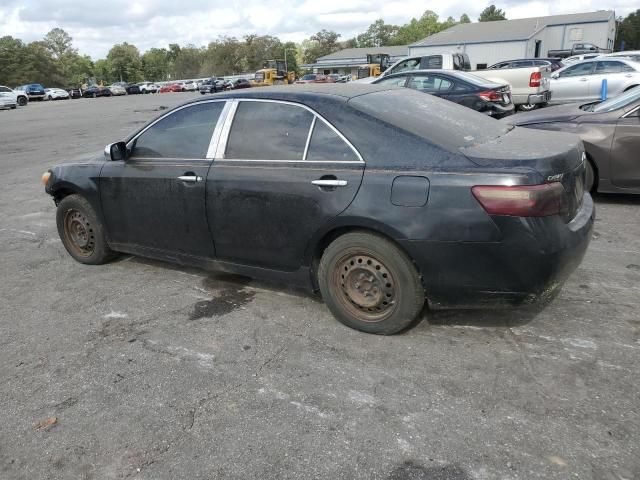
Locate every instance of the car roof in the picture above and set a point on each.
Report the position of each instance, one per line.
(464, 76)
(292, 92)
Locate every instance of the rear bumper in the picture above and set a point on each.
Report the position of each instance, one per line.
(533, 260)
(533, 99)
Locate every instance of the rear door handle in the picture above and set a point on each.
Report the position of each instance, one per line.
(190, 178)
(583, 79)
(330, 183)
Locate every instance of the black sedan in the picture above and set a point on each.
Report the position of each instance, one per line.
(460, 87)
(96, 91)
(130, 88)
(610, 131)
(377, 197)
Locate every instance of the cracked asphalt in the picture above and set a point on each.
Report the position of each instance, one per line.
(141, 369)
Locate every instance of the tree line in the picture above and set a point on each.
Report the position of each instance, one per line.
(53, 61)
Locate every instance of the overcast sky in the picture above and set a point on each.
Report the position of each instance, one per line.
(156, 23)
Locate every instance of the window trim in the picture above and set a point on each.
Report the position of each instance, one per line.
(212, 141)
(634, 112)
(226, 131)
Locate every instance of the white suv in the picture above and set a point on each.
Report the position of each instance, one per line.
(148, 87)
(19, 97)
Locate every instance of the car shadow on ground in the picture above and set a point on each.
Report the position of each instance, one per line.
(509, 316)
(616, 199)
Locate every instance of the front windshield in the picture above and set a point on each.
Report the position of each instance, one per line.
(620, 101)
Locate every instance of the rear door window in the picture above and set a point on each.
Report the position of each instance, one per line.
(578, 70)
(326, 145)
(429, 83)
(268, 131)
(393, 81)
(185, 133)
(608, 67)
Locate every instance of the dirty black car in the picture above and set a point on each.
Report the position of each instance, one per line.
(376, 197)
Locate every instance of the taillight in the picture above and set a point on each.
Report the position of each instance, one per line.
(522, 200)
(490, 96)
(535, 79)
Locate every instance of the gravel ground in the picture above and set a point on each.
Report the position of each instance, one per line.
(157, 372)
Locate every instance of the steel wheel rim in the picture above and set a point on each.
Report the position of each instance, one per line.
(365, 287)
(79, 233)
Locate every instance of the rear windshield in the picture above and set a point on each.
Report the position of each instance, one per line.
(441, 122)
(620, 101)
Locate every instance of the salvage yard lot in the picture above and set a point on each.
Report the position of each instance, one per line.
(148, 370)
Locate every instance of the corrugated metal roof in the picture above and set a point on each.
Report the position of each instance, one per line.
(397, 50)
(507, 30)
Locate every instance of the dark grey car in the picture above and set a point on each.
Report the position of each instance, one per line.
(610, 131)
(377, 197)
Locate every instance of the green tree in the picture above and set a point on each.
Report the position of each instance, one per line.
(322, 43)
(59, 44)
(12, 51)
(80, 70)
(187, 63)
(464, 18)
(38, 66)
(292, 56)
(102, 72)
(419, 28)
(124, 62)
(491, 14)
(377, 35)
(155, 64)
(225, 56)
(629, 31)
(260, 48)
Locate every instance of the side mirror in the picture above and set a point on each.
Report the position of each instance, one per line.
(555, 75)
(116, 151)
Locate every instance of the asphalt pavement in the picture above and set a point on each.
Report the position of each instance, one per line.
(141, 369)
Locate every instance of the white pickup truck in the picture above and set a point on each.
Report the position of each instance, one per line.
(529, 85)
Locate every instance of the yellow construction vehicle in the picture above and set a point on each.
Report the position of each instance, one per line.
(274, 72)
(376, 64)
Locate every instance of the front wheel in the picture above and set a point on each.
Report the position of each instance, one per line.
(369, 284)
(22, 101)
(81, 232)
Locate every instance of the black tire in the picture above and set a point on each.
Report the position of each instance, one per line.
(22, 101)
(527, 107)
(589, 177)
(81, 232)
(369, 284)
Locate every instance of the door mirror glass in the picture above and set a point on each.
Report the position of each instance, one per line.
(116, 151)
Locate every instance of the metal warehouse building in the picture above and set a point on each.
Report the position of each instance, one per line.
(346, 62)
(487, 43)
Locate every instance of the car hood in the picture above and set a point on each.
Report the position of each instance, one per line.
(91, 158)
(560, 113)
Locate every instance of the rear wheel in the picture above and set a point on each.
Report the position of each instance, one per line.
(527, 107)
(369, 284)
(81, 232)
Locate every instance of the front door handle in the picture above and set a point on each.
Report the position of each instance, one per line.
(190, 178)
(330, 183)
(583, 79)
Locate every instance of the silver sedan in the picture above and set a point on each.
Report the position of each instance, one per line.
(582, 82)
